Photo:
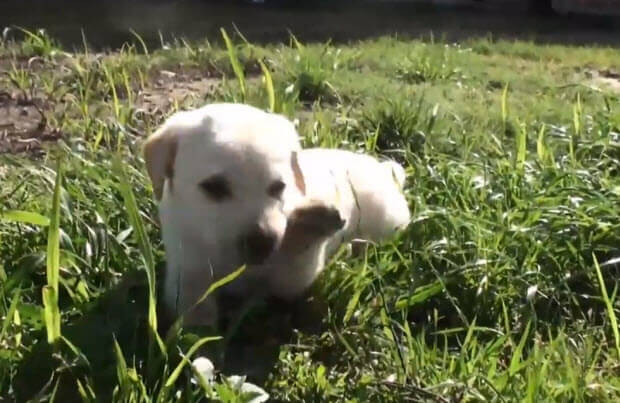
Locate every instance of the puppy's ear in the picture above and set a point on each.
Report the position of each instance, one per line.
(160, 151)
(300, 182)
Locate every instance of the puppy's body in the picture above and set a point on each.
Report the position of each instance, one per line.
(235, 188)
(365, 192)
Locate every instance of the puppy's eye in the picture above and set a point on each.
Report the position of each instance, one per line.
(276, 188)
(216, 187)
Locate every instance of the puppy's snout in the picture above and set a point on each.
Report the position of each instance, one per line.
(258, 244)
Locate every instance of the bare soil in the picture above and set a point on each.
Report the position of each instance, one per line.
(23, 127)
(607, 78)
(170, 87)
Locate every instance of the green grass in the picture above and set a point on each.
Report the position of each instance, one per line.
(503, 288)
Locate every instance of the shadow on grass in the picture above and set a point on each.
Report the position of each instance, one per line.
(121, 314)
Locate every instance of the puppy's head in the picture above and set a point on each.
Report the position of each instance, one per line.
(226, 184)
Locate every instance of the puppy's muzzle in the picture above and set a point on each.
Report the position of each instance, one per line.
(257, 245)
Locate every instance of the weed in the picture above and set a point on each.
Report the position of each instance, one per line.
(37, 43)
(428, 64)
(398, 124)
(311, 69)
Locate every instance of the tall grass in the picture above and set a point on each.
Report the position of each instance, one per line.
(608, 304)
(269, 87)
(236, 65)
(51, 311)
(148, 261)
(502, 288)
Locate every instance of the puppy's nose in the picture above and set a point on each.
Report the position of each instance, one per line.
(257, 245)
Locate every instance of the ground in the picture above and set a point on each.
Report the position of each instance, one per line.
(502, 288)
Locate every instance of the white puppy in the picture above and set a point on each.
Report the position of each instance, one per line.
(355, 197)
(234, 188)
(226, 178)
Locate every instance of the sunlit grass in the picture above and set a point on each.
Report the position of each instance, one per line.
(503, 288)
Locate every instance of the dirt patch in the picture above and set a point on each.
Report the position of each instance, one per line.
(610, 79)
(23, 126)
(180, 87)
(607, 79)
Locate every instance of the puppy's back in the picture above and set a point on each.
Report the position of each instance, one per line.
(377, 207)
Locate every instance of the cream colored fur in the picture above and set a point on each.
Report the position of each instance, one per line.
(247, 146)
(367, 194)
(330, 197)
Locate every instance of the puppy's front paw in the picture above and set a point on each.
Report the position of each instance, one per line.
(317, 219)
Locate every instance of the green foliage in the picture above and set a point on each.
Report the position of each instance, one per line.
(429, 63)
(503, 288)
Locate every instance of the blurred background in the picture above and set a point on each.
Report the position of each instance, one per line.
(106, 23)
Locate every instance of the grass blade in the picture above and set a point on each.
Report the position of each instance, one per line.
(26, 217)
(10, 313)
(146, 250)
(221, 282)
(297, 44)
(134, 219)
(52, 397)
(240, 34)
(121, 367)
(468, 337)
(505, 107)
(139, 38)
(234, 61)
(185, 360)
(269, 86)
(577, 118)
(515, 362)
(53, 235)
(541, 148)
(608, 303)
(51, 313)
(420, 294)
(76, 351)
(87, 393)
(577, 114)
(521, 147)
(115, 100)
(352, 305)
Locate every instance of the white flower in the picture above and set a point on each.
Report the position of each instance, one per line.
(531, 292)
(204, 368)
(575, 201)
(479, 181)
(251, 393)
(254, 393)
(483, 285)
